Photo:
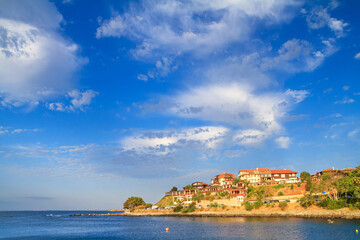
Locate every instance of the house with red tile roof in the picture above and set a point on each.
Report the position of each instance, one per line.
(284, 176)
(223, 179)
(332, 172)
(265, 176)
(199, 185)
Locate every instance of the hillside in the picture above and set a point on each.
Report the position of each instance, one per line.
(165, 201)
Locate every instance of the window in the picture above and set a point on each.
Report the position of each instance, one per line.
(276, 175)
(282, 175)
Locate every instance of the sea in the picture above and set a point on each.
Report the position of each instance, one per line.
(61, 225)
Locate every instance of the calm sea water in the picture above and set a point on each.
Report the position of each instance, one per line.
(59, 225)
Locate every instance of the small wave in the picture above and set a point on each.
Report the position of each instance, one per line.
(52, 215)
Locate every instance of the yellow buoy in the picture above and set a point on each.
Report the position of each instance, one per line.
(167, 229)
(357, 231)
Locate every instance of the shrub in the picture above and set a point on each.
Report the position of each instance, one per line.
(283, 205)
(292, 186)
(277, 187)
(308, 184)
(208, 193)
(299, 184)
(332, 204)
(267, 205)
(280, 194)
(248, 206)
(178, 208)
(214, 205)
(307, 200)
(258, 204)
(212, 198)
(190, 208)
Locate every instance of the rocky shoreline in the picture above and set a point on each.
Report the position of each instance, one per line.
(302, 214)
(328, 214)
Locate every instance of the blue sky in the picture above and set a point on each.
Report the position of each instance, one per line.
(100, 101)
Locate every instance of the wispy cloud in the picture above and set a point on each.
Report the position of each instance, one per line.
(345, 101)
(346, 88)
(163, 142)
(10, 130)
(79, 100)
(283, 142)
(320, 17)
(353, 132)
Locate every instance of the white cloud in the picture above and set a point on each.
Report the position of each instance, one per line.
(357, 56)
(283, 142)
(346, 88)
(319, 17)
(297, 55)
(142, 77)
(199, 27)
(345, 101)
(79, 100)
(36, 62)
(249, 137)
(236, 104)
(353, 133)
(10, 130)
(163, 142)
(328, 90)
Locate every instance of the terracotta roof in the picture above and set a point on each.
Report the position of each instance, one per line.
(223, 175)
(261, 170)
(348, 169)
(204, 183)
(329, 170)
(282, 171)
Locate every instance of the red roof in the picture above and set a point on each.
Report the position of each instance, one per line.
(204, 183)
(256, 169)
(282, 171)
(223, 175)
(348, 169)
(329, 170)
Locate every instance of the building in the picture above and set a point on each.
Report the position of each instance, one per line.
(284, 176)
(265, 176)
(220, 183)
(223, 179)
(255, 176)
(332, 172)
(199, 185)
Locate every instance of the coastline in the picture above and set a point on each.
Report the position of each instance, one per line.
(327, 214)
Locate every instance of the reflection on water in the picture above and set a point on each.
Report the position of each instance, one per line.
(44, 225)
(274, 228)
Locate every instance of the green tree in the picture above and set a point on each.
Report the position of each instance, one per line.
(174, 189)
(237, 180)
(134, 202)
(325, 177)
(259, 193)
(308, 184)
(349, 185)
(307, 200)
(304, 176)
(188, 187)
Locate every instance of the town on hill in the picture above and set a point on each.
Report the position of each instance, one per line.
(262, 187)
